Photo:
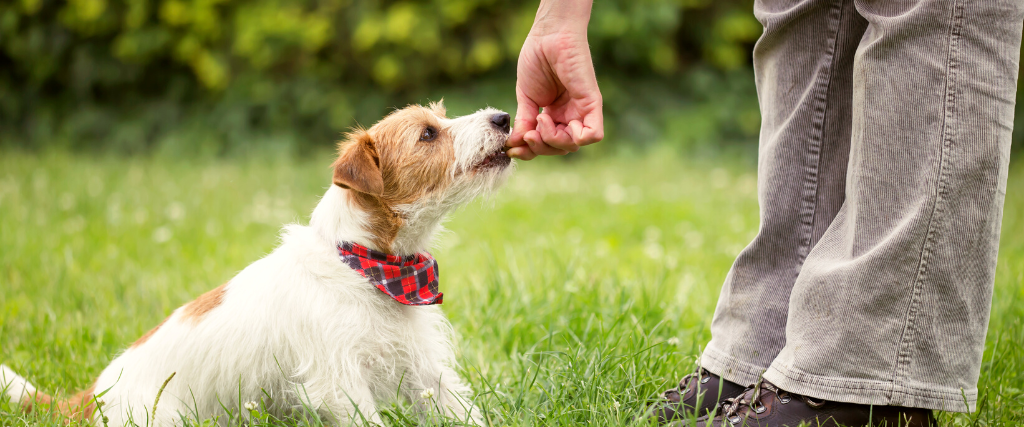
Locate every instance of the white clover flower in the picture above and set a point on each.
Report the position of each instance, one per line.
(251, 405)
(672, 341)
(427, 394)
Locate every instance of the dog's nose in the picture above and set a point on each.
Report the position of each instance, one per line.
(501, 120)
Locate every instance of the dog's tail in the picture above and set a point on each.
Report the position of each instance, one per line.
(15, 387)
(18, 389)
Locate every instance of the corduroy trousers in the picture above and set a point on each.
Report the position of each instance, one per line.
(882, 167)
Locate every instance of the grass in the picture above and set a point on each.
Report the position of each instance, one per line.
(579, 291)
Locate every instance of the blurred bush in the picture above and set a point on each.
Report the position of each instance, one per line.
(215, 75)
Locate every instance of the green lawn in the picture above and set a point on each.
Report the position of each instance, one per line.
(579, 291)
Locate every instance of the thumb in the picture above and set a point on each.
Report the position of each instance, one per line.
(526, 120)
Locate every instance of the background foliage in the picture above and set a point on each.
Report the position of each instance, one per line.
(214, 77)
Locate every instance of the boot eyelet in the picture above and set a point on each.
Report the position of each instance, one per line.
(759, 409)
(704, 380)
(735, 420)
(785, 399)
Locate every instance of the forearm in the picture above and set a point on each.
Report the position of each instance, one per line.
(555, 16)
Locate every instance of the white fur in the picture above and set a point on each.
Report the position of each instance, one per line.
(299, 328)
(475, 138)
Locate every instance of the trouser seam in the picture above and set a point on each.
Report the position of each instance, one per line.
(908, 336)
(811, 181)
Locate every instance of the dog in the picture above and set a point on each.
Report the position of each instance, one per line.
(339, 318)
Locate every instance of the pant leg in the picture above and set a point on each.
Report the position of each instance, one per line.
(803, 65)
(891, 306)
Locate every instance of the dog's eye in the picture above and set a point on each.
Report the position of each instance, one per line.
(429, 134)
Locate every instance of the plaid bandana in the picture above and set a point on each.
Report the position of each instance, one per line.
(410, 280)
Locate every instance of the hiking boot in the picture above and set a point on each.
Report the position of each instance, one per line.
(765, 405)
(698, 394)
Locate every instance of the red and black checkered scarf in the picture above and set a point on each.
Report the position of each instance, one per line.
(410, 280)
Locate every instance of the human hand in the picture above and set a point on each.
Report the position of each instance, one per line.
(556, 73)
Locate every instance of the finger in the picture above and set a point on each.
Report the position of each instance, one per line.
(553, 135)
(526, 119)
(591, 129)
(522, 153)
(538, 146)
(576, 130)
(562, 129)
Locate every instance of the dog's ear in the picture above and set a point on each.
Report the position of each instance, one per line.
(358, 165)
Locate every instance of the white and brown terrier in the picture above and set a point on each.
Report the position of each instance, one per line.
(327, 321)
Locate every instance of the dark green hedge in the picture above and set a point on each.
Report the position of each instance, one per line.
(132, 75)
(217, 76)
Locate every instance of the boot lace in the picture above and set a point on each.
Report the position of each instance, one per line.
(750, 402)
(703, 376)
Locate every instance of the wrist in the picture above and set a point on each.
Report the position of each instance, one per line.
(561, 16)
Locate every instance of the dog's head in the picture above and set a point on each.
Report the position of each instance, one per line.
(415, 165)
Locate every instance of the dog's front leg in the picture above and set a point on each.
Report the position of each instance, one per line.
(445, 392)
(353, 406)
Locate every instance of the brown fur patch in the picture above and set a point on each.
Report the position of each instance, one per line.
(29, 403)
(145, 337)
(409, 168)
(384, 222)
(206, 302)
(79, 407)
